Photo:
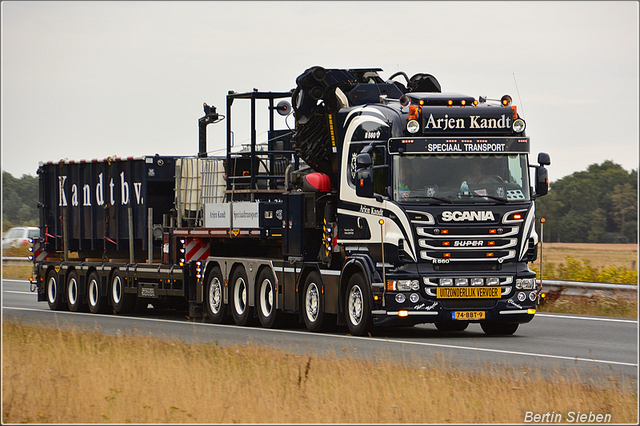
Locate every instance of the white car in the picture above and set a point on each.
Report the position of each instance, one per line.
(15, 237)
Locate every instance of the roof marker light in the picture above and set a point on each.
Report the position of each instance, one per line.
(413, 112)
(413, 126)
(519, 125)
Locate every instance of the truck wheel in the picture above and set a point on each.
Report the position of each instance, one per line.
(213, 297)
(54, 292)
(358, 307)
(313, 305)
(121, 302)
(73, 293)
(240, 309)
(267, 312)
(499, 328)
(97, 301)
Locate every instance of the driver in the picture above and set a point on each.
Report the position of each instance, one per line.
(478, 174)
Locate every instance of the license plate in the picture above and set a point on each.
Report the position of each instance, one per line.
(147, 292)
(469, 292)
(467, 315)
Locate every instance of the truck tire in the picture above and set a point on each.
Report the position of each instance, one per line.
(121, 302)
(240, 310)
(267, 296)
(97, 301)
(313, 304)
(452, 326)
(213, 297)
(358, 307)
(54, 291)
(74, 300)
(499, 328)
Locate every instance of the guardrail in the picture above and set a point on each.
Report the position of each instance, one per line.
(577, 288)
(569, 288)
(15, 259)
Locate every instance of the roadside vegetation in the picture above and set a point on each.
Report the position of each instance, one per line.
(168, 381)
(598, 205)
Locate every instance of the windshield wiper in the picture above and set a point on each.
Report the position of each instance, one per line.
(421, 197)
(444, 200)
(503, 200)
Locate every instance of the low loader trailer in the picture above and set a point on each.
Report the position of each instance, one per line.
(388, 202)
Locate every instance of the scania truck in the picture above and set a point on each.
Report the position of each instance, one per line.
(388, 202)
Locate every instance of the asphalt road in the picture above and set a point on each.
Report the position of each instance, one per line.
(594, 349)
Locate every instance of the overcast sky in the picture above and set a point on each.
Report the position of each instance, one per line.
(83, 80)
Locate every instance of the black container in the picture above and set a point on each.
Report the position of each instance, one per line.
(89, 201)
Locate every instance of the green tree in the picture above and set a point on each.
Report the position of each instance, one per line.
(19, 201)
(596, 205)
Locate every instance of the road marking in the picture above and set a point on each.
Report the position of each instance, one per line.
(587, 318)
(17, 292)
(306, 333)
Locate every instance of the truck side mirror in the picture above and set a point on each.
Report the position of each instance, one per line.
(542, 181)
(544, 159)
(363, 160)
(364, 176)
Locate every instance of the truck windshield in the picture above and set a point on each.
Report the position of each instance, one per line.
(461, 178)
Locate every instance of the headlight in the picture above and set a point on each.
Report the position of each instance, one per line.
(400, 298)
(493, 281)
(408, 285)
(519, 125)
(413, 126)
(462, 281)
(525, 283)
(477, 281)
(446, 281)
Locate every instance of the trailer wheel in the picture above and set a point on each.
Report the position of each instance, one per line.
(452, 326)
(499, 328)
(358, 306)
(54, 293)
(73, 293)
(240, 309)
(97, 301)
(214, 302)
(313, 304)
(121, 302)
(266, 303)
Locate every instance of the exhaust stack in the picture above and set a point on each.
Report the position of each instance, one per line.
(210, 117)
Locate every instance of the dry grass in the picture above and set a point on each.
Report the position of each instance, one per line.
(17, 271)
(599, 305)
(56, 376)
(599, 255)
(20, 272)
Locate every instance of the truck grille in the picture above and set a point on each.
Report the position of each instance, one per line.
(464, 244)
